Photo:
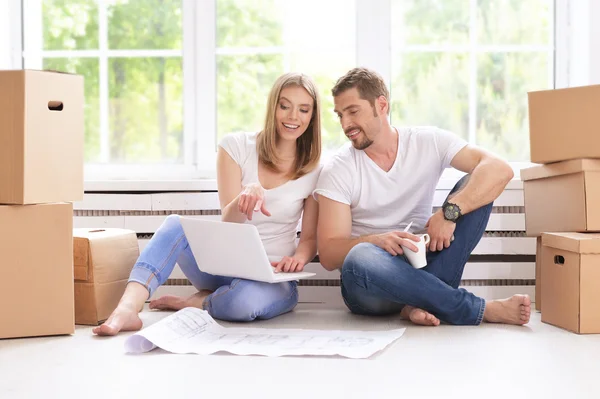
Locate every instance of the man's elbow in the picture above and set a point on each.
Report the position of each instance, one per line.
(327, 260)
(501, 171)
(506, 173)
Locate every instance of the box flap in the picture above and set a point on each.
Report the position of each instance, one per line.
(81, 258)
(113, 252)
(582, 243)
(560, 168)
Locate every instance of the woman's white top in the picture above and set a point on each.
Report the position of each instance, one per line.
(285, 203)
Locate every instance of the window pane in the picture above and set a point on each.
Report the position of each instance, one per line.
(514, 22)
(280, 26)
(431, 89)
(430, 22)
(331, 65)
(503, 83)
(146, 110)
(88, 67)
(70, 25)
(145, 24)
(249, 23)
(243, 84)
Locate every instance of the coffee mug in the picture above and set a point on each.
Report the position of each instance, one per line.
(417, 259)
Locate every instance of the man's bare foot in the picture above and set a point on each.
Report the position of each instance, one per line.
(419, 316)
(172, 302)
(513, 310)
(123, 318)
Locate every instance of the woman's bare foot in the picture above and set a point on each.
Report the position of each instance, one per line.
(419, 316)
(513, 310)
(172, 302)
(123, 318)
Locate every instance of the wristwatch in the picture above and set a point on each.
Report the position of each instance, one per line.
(451, 211)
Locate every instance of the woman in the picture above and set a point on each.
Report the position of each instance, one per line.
(265, 179)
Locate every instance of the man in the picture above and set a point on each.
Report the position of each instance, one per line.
(371, 190)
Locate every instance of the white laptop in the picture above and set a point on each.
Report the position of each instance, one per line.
(232, 250)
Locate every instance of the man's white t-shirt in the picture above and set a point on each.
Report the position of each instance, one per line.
(383, 201)
(285, 202)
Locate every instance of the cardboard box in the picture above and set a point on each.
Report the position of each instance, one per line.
(36, 288)
(538, 274)
(103, 260)
(564, 124)
(571, 281)
(41, 137)
(563, 196)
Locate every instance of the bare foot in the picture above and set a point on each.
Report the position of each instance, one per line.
(513, 310)
(123, 318)
(419, 316)
(172, 302)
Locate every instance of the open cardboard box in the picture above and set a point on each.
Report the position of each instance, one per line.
(103, 259)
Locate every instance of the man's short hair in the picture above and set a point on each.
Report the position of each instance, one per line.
(370, 85)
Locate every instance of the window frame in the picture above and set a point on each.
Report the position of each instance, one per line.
(373, 49)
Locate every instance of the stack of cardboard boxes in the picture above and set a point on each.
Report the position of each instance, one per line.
(41, 174)
(562, 205)
(51, 275)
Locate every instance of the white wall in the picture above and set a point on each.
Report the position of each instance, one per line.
(578, 43)
(10, 34)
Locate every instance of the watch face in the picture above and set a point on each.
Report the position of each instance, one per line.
(450, 212)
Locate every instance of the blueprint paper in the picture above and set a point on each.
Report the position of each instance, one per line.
(192, 330)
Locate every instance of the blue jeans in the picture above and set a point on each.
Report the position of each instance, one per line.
(377, 283)
(233, 299)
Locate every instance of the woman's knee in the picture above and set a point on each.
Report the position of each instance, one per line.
(250, 300)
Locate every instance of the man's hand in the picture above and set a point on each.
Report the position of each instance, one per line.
(440, 231)
(288, 264)
(252, 199)
(392, 241)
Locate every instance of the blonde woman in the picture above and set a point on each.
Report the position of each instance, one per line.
(265, 179)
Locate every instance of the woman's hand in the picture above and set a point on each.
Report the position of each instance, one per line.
(288, 264)
(252, 199)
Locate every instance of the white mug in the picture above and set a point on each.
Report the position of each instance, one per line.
(417, 259)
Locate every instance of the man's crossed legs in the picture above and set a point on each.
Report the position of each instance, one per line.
(377, 283)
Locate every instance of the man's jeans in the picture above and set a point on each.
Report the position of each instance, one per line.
(377, 283)
(233, 299)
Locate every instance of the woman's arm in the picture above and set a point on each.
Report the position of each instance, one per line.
(237, 203)
(229, 184)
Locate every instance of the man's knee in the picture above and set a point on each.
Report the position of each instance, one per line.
(357, 262)
(360, 255)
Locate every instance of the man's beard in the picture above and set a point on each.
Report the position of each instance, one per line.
(363, 144)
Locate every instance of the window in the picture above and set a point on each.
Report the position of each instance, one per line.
(165, 80)
(258, 40)
(467, 66)
(130, 54)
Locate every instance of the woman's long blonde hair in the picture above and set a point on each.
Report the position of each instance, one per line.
(308, 145)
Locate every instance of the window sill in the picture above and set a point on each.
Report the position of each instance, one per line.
(128, 186)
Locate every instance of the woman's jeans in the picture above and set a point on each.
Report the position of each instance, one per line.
(233, 299)
(377, 283)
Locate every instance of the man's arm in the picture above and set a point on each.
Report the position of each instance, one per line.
(489, 175)
(334, 235)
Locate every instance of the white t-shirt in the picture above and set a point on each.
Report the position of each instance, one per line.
(385, 201)
(285, 202)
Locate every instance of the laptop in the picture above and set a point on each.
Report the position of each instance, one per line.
(232, 250)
